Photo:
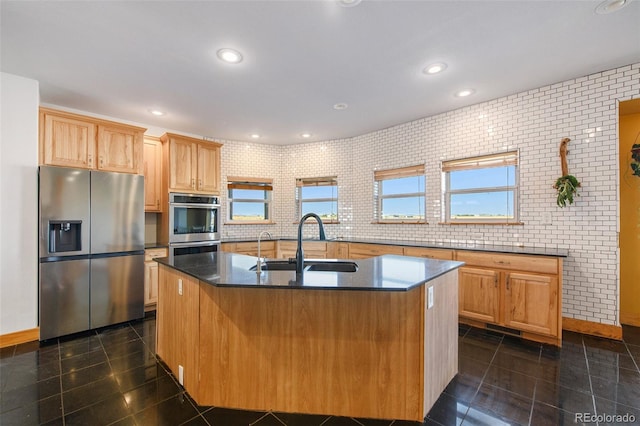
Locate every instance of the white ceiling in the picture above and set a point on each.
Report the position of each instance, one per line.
(122, 58)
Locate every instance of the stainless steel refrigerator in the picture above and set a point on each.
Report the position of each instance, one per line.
(91, 249)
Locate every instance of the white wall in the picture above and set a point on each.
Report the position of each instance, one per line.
(584, 109)
(19, 101)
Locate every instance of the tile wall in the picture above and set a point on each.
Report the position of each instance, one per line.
(584, 109)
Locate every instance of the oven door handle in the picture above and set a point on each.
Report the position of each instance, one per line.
(194, 206)
(195, 244)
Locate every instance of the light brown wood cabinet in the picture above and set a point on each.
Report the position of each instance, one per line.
(312, 249)
(178, 318)
(250, 248)
(519, 292)
(151, 276)
(152, 171)
(429, 253)
(339, 250)
(363, 251)
(193, 165)
(72, 140)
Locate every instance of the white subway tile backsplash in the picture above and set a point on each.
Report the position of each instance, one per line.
(584, 109)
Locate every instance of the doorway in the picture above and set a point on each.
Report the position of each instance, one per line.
(629, 239)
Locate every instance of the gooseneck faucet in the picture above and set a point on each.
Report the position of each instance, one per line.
(259, 264)
(299, 252)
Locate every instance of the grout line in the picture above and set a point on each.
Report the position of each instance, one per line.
(60, 378)
(586, 358)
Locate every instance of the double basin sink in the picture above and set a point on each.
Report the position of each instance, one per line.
(309, 265)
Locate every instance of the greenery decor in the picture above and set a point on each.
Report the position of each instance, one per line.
(635, 159)
(567, 187)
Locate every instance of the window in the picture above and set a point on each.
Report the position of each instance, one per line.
(249, 200)
(319, 196)
(400, 195)
(481, 189)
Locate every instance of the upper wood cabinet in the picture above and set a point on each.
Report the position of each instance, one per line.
(72, 140)
(119, 149)
(152, 171)
(193, 165)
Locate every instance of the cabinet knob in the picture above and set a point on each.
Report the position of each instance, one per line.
(193, 183)
(199, 183)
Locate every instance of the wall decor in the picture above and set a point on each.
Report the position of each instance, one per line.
(566, 185)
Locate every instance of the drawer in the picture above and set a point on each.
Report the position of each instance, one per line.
(150, 254)
(248, 246)
(540, 264)
(358, 250)
(431, 253)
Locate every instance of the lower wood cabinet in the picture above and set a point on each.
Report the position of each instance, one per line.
(429, 253)
(479, 294)
(151, 276)
(364, 251)
(312, 249)
(250, 248)
(522, 296)
(178, 317)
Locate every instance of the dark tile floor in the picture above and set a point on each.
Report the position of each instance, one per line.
(111, 376)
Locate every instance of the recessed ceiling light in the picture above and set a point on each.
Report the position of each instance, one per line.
(255, 136)
(305, 135)
(341, 105)
(229, 56)
(435, 68)
(610, 6)
(157, 112)
(464, 93)
(348, 3)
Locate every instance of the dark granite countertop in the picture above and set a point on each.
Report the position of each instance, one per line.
(386, 273)
(155, 245)
(452, 245)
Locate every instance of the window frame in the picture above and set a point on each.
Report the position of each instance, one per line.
(265, 184)
(379, 176)
(500, 159)
(317, 181)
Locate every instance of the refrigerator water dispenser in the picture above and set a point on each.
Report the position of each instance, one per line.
(65, 235)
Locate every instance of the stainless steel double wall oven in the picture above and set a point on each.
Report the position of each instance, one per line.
(194, 224)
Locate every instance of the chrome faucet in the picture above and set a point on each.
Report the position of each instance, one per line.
(299, 252)
(259, 263)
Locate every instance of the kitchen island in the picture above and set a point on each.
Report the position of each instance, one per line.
(357, 344)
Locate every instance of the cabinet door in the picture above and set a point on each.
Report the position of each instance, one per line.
(68, 142)
(177, 318)
(208, 168)
(182, 165)
(150, 283)
(119, 149)
(479, 294)
(152, 159)
(341, 250)
(531, 303)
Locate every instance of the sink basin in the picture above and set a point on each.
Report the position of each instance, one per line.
(314, 265)
(275, 265)
(333, 266)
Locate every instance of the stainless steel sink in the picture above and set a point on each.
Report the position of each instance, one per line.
(310, 265)
(275, 265)
(335, 266)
